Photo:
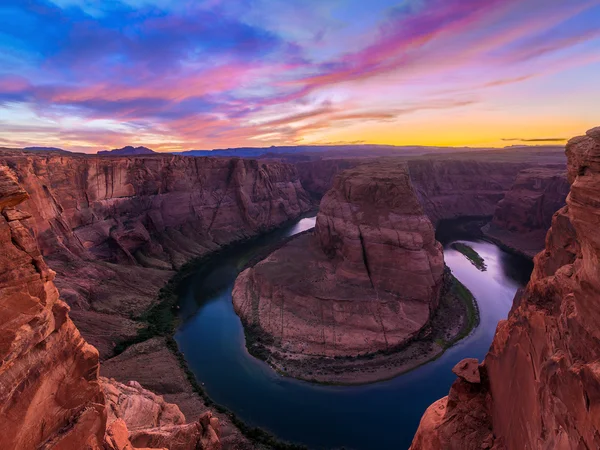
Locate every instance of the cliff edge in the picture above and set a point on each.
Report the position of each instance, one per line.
(51, 396)
(539, 385)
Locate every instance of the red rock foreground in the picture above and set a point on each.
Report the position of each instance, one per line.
(368, 279)
(51, 396)
(539, 385)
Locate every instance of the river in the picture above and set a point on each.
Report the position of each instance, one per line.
(382, 415)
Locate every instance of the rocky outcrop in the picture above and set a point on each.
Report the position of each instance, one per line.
(153, 423)
(114, 229)
(523, 217)
(368, 279)
(51, 396)
(540, 381)
(317, 175)
(49, 391)
(448, 189)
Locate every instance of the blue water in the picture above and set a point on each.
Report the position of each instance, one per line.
(383, 415)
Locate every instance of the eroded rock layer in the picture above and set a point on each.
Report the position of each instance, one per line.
(368, 279)
(51, 396)
(448, 189)
(114, 229)
(540, 382)
(523, 217)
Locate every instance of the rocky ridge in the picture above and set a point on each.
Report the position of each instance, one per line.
(540, 381)
(51, 396)
(368, 279)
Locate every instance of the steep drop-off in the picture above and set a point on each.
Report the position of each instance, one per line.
(449, 189)
(523, 217)
(367, 280)
(51, 396)
(539, 385)
(114, 229)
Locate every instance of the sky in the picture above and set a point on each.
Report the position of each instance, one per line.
(88, 75)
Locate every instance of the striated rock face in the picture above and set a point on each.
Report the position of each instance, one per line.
(367, 279)
(540, 381)
(49, 391)
(317, 176)
(372, 224)
(448, 189)
(51, 396)
(155, 212)
(153, 423)
(115, 228)
(524, 215)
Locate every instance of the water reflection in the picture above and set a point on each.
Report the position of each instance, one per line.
(383, 415)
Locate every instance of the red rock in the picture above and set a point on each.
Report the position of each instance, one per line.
(367, 280)
(453, 188)
(542, 380)
(50, 392)
(468, 370)
(523, 216)
(114, 228)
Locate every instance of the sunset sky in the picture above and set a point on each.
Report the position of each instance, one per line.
(89, 75)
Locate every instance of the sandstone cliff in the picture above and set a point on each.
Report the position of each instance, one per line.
(368, 279)
(540, 382)
(524, 215)
(51, 396)
(115, 228)
(449, 189)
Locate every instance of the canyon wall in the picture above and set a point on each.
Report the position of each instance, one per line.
(524, 215)
(51, 396)
(539, 385)
(449, 189)
(317, 175)
(368, 279)
(114, 229)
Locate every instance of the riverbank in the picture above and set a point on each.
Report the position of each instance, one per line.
(155, 346)
(455, 318)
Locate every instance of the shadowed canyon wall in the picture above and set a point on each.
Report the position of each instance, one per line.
(114, 229)
(51, 396)
(539, 385)
(368, 279)
(524, 215)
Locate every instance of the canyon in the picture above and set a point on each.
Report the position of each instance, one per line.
(367, 280)
(523, 216)
(537, 387)
(51, 395)
(116, 229)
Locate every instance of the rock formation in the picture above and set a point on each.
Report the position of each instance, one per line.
(540, 382)
(368, 279)
(449, 189)
(115, 228)
(51, 396)
(152, 423)
(317, 175)
(524, 215)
